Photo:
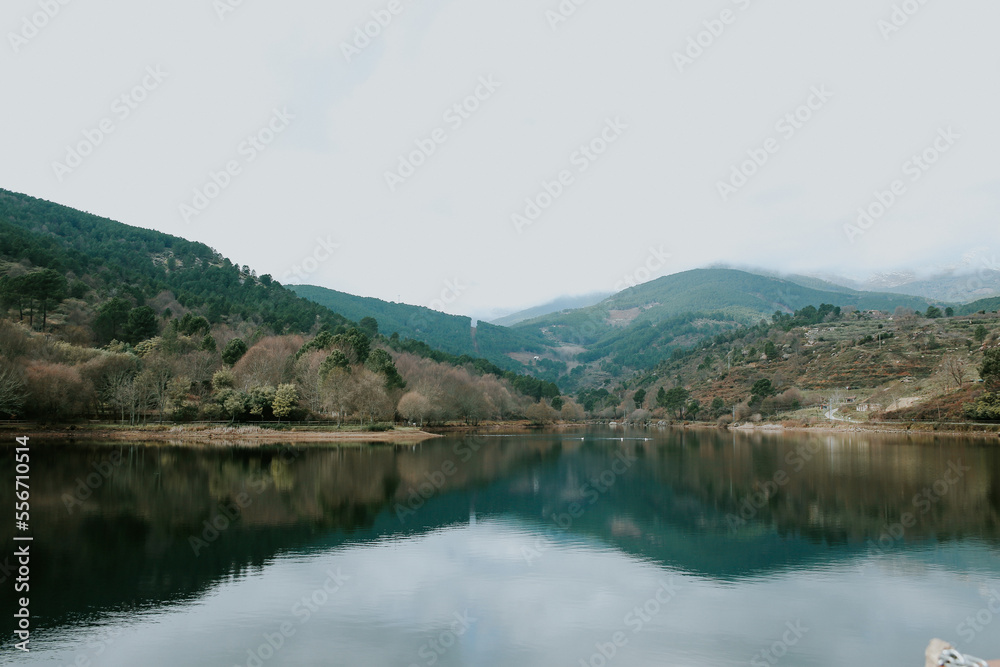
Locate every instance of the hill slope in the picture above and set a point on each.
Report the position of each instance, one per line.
(109, 258)
(556, 306)
(990, 305)
(102, 320)
(957, 288)
(451, 333)
(742, 296)
(745, 294)
(641, 327)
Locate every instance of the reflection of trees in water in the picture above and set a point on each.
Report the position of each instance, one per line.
(835, 490)
(128, 543)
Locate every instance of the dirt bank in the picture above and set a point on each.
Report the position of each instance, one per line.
(240, 435)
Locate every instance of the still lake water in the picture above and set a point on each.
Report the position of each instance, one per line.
(596, 547)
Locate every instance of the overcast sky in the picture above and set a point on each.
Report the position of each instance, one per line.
(320, 195)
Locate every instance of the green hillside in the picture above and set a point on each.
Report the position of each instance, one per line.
(991, 305)
(100, 320)
(745, 294)
(101, 258)
(641, 327)
(811, 282)
(739, 295)
(450, 333)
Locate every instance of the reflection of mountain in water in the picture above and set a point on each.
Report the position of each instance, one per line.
(129, 544)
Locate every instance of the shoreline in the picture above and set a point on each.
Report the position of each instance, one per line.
(242, 435)
(909, 429)
(249, 435)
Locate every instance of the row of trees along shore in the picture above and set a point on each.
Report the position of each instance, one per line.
(191, 371)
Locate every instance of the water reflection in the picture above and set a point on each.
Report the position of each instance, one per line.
(171, 555)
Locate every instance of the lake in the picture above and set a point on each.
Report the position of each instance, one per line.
(594, 547)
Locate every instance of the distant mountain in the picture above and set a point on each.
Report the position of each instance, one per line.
(954, 288)
(817, 282)
(744, 296)
(643, 325)
(556, 306)
(951, 287)
(945, 288)
(450, 333)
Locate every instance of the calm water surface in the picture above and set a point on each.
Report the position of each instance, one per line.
(596, 547)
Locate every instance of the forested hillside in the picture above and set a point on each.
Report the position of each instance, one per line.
(450, 333)
(637, 329)
(743, 296)
(104, 258)
(102, 320)
(981, 306)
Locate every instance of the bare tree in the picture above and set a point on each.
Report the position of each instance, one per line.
(310, 383)
(268, 362)
(337, 390)
(415, 407)
(56, 391)
(957, 369)
(369, 396)
(12, 388)
(157, 377)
